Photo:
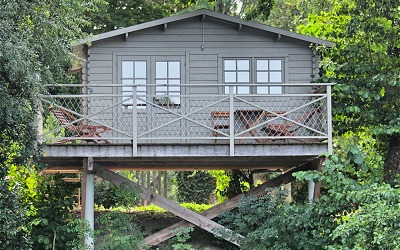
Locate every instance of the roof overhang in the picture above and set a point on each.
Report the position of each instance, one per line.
(203, 14)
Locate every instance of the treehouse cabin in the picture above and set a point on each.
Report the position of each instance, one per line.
(200, 90)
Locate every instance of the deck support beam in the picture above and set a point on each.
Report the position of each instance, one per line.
(89, 202)
(317, 188)
(227, 205)
(174, 208)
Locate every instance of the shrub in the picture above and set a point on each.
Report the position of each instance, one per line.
(110, 195)
(194, 186)
(117, 231)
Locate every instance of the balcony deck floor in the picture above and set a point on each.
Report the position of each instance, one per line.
(182, 156)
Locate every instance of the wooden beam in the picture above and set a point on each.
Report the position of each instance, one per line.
(317, 187)
(83, 186)
(227, 205)
(176, 209)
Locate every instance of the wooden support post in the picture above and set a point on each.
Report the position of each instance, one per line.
(176, 209)
(317, 188)
(83, 188)
(227, 205)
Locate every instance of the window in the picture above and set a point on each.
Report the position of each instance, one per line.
(269, 71)
(134, 72)
(168, 80)
(237, 71)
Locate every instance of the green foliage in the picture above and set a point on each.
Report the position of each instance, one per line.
(117, 231)
(271, 223)
(239, 182)
(35, 38)
(120, 14)
(14, 224)
(285, 14)
(110, 195)
(365, 64)
(53, 203)
(374, 225)
(198, 208)
(222, 183)
(81, 229)
(194, 186)
(179, 241)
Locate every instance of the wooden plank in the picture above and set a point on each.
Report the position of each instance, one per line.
(176, 209)
(317, 187)
(227, 205)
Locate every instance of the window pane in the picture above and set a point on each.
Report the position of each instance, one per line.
(243, 77)
(275, 64)
(229, 64)
(230, 76)
(243, 90)
(262, 76)
(141, 89)
(174, 70)
(174, 89)
(161, 88)
(127, 82)
(161, 69)
(161, 81)
(127, 69)
(262, 90)
(275, 77)
(262, 64)
(140, 82)
(140, 69)
(174, 82)
(175, 99)
(126, 90)
(243, 64)
(275, 90)
(226, 90)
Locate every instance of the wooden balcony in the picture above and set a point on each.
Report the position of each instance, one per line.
(189, 131)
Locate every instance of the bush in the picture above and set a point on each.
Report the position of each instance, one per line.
(117, 231)
(270, 222)
(194, 186)
(109, 195)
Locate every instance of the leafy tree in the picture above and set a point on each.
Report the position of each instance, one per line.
(285, 14)
(194, 186)
(365, 63)
(35, 39)
(118, 14)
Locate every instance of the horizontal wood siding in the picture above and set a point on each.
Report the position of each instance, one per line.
(219, 39)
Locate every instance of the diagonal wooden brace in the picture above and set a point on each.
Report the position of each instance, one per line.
(184, 213)
(227, 205)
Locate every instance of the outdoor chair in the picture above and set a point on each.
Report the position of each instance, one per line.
(220, 121)
(78, 128)
(290, 128)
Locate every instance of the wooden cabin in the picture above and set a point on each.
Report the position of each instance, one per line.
(200, 90)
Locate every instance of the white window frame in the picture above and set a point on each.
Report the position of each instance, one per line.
(237, 71)
(169, 82)
(268, 71)
(141, 90)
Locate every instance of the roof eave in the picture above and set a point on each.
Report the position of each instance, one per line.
(207, 13)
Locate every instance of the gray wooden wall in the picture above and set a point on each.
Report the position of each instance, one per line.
(184, 39)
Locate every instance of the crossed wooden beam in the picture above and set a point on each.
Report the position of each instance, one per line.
(189, 217)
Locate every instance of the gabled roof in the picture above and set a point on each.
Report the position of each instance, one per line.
(205, 13)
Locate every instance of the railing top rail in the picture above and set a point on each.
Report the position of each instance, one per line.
(192, 85)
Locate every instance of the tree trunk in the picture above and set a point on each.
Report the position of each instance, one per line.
(392, 164)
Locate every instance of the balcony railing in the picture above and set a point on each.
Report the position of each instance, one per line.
(101, 115)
